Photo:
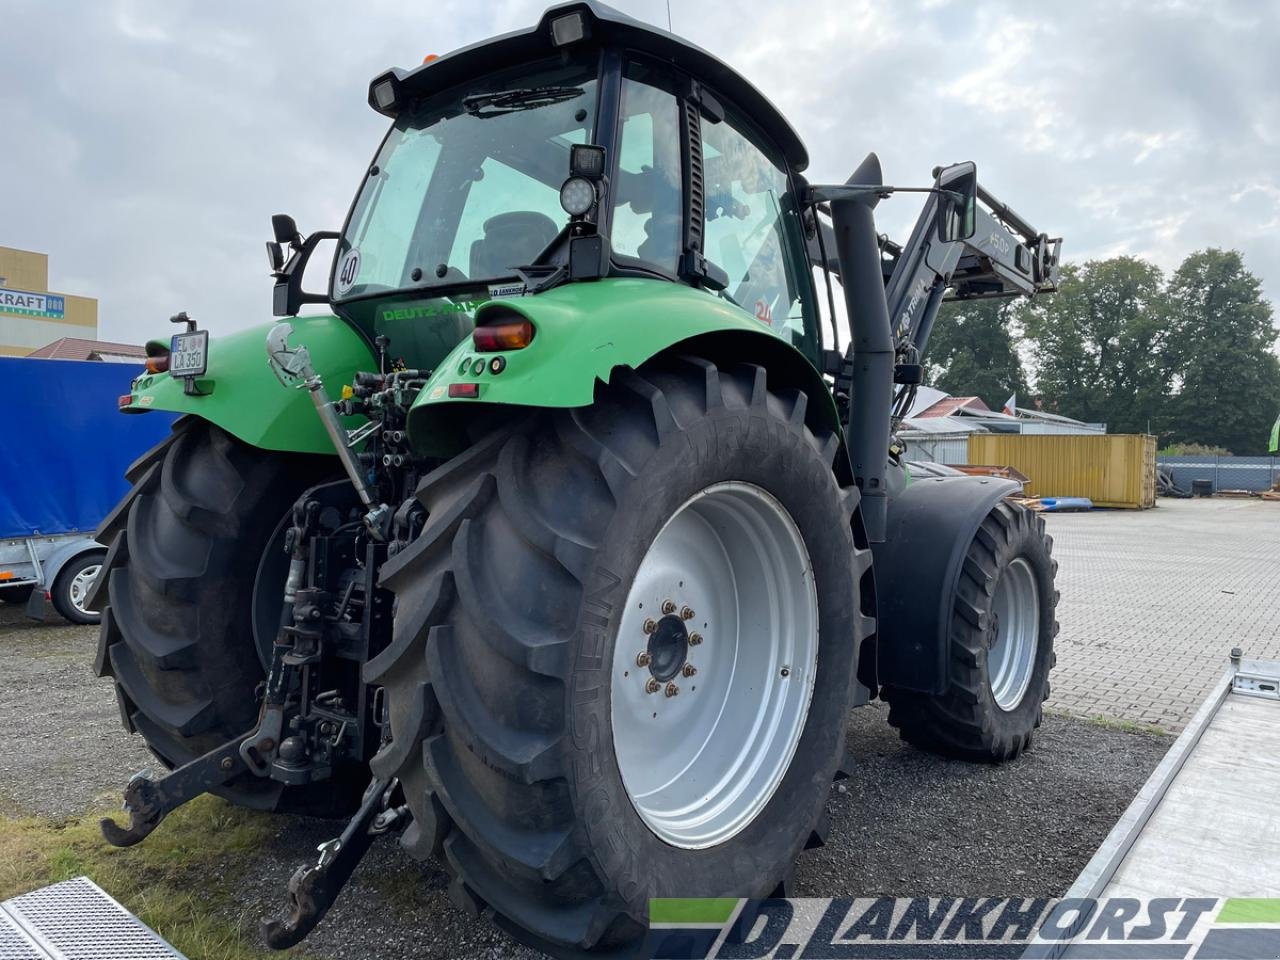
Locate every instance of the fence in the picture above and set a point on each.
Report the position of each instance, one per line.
(940, 448)
(1227, 473)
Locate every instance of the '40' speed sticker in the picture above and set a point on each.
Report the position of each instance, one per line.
(348, 270)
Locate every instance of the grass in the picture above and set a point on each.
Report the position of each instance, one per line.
(180, 881)
(1113, 723)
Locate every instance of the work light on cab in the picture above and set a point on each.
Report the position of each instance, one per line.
(511, 335)
(577, 196)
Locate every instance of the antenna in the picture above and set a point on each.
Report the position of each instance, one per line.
(669, 16)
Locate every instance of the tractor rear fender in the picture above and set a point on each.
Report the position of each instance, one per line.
(930, 526)
(582, 333)
(240, 394)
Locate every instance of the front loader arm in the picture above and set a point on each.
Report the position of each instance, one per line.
(892, 295)
(1005, 257)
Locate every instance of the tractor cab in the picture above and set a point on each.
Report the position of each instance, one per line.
(590, 146)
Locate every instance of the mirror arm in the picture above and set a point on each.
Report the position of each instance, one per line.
(826, 193)
(288, 296)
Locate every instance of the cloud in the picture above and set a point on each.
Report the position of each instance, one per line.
(146, 143)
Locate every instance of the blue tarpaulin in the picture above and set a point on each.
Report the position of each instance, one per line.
(64, 445)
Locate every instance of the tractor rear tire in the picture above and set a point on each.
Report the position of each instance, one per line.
(176, 594)
(508, 663)
(1001, 646)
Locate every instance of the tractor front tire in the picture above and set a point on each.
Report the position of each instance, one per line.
(176, 595)
(1001, 646)
(565, 640)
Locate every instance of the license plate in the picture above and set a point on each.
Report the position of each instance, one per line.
(189, 354)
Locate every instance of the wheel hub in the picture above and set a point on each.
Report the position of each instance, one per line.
(80, 586)
(668, 648)
(714, 665)
(1015, 628)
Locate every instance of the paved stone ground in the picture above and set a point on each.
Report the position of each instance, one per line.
(1154, 600)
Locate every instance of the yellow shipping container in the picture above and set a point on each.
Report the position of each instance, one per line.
(1112, 470)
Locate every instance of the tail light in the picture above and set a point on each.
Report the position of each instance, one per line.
(157, 364)
(512, 335)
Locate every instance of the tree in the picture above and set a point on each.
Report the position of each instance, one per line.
(1101, 345)
(973, 352)
(1227, 381)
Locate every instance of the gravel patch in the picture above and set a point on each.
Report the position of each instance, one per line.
(905, 824)
(64, 749)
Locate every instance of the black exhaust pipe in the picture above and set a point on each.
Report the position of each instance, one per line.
(858, 250)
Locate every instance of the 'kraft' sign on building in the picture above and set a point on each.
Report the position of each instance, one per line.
(25, 304)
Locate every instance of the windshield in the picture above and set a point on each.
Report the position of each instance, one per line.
(467, 185)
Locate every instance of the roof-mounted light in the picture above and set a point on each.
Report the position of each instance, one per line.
(570, 28)
(384, 93)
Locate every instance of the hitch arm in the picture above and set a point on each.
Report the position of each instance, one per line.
(148, 800)
(314, 888)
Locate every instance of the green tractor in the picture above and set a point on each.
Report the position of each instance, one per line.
(563, 545)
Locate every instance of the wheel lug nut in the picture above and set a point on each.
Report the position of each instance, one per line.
(668, 606)
(643, 659)
(695, 639)
(689, 670)
(650, 626)
(652, 686)
(672, 689)
(686, 613)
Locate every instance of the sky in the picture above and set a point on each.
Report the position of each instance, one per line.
(145, 145)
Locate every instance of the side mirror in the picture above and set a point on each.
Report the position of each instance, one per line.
(288, 297)
(275, 256)
(958, 201)
(285, 229)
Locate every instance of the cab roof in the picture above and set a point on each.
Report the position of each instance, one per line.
(604, 26)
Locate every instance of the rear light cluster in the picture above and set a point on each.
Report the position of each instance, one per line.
(511, 335)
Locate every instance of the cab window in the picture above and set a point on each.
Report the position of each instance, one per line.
(647, 208)
(752, 229)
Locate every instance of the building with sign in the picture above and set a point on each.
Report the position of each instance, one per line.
(31, 315)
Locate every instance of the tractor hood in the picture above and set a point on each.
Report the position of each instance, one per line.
(585, 22)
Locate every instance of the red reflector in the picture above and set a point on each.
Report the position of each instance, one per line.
(515, 335)
(464, 390)
(157, 364)
(124, 400)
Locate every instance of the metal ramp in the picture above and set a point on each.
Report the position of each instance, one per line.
(1203, 825)
(76, 920)
(1196, 826)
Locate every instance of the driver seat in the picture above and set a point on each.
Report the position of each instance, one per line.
(510, 240)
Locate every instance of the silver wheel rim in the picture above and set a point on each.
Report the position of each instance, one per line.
(1012, 656)
(732, 570)
(80, 586)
